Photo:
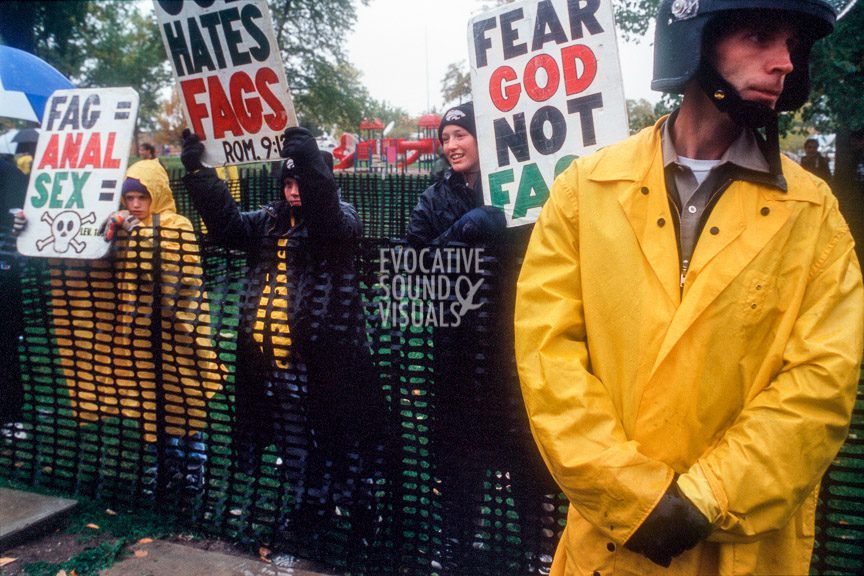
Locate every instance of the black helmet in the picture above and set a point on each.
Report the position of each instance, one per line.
(681, 25)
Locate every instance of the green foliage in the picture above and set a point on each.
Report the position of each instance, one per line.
(633, 16)
(103, 546)
(51, 30)
(311, 34)
(94, 44)
(640, 114)
(123, 48)
(404, 125)
(837, 76)
(456, 84)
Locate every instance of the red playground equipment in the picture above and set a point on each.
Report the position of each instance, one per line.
(372, 151)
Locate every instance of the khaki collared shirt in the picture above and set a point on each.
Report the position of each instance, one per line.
(741, 161)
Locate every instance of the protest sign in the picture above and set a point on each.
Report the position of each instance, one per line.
(78, 170)
(547, 88)
(229, 75)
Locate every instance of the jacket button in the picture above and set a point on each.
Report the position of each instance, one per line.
(596, 573)
(765, 211)
(661, 222)
(714, 230)
(644, 190)
(610, 546)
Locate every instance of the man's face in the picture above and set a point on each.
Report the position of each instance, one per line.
(144, 153)
(292, 192)
(810, 149)
(138, 204)
(755, 58)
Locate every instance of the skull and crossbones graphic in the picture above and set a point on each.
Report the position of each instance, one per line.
(65, 228)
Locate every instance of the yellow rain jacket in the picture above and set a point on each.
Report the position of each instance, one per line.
(742, 381)
(103, 323)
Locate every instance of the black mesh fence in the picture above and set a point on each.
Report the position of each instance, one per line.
(360, 409)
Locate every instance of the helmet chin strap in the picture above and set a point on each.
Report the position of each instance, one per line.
(743, 112)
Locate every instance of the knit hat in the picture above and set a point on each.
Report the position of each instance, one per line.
(287, 170)
(134, 185)
(462, 115)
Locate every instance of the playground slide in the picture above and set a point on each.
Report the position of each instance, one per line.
(417, 148)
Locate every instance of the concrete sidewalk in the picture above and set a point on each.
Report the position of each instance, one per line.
(159, 558)
(24, 515)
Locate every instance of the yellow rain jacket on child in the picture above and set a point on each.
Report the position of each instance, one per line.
(103, 311)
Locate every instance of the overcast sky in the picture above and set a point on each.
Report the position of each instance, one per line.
(403, 48)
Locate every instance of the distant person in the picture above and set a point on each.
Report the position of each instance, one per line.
(814, 162)
(13, 187)
(147, 151)
(24, 156)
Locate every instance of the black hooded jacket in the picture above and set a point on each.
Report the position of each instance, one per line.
(303, 260)
(439, 208)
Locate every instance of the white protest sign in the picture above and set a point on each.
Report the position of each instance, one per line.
(229, 75)
(547, 88)
(78, 171)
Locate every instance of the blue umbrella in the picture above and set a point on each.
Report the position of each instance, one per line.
(26, 83)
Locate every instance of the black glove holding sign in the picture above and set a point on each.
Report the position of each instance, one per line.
(673, 527)
(192, 151)
(303, 162)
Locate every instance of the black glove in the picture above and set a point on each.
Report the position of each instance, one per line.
(192, 152)
(482, 224)
(673, 527)
(304, 163)
(299, 145)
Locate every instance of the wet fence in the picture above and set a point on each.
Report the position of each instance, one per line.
(360, 408)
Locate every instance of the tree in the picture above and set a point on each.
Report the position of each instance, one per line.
(311, 34)
(640, 114)
(170, 121)
(123, 48)
(837, 78)
(456, 84)
(95, 44)
(113, 43)
(50, 30)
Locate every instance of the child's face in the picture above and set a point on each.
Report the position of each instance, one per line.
(138, 204)
(292, 191)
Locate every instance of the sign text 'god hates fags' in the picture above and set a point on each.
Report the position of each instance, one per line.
(547, 88)
(230, 76)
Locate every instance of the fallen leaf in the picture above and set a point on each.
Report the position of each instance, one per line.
(145, 541)
(6, 560)
(263, 552)
(110, 512)
(61, 573)
(93, 526)
(73, 573)
(141, 553)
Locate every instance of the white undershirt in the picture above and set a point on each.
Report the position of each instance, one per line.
(700, 168)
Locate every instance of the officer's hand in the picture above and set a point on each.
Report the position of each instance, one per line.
(192, 151)
(19, 222)
(481, 224)
(119, 219)
(673, 527)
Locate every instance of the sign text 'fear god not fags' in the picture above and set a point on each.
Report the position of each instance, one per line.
(547, 88)
(77, 172)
